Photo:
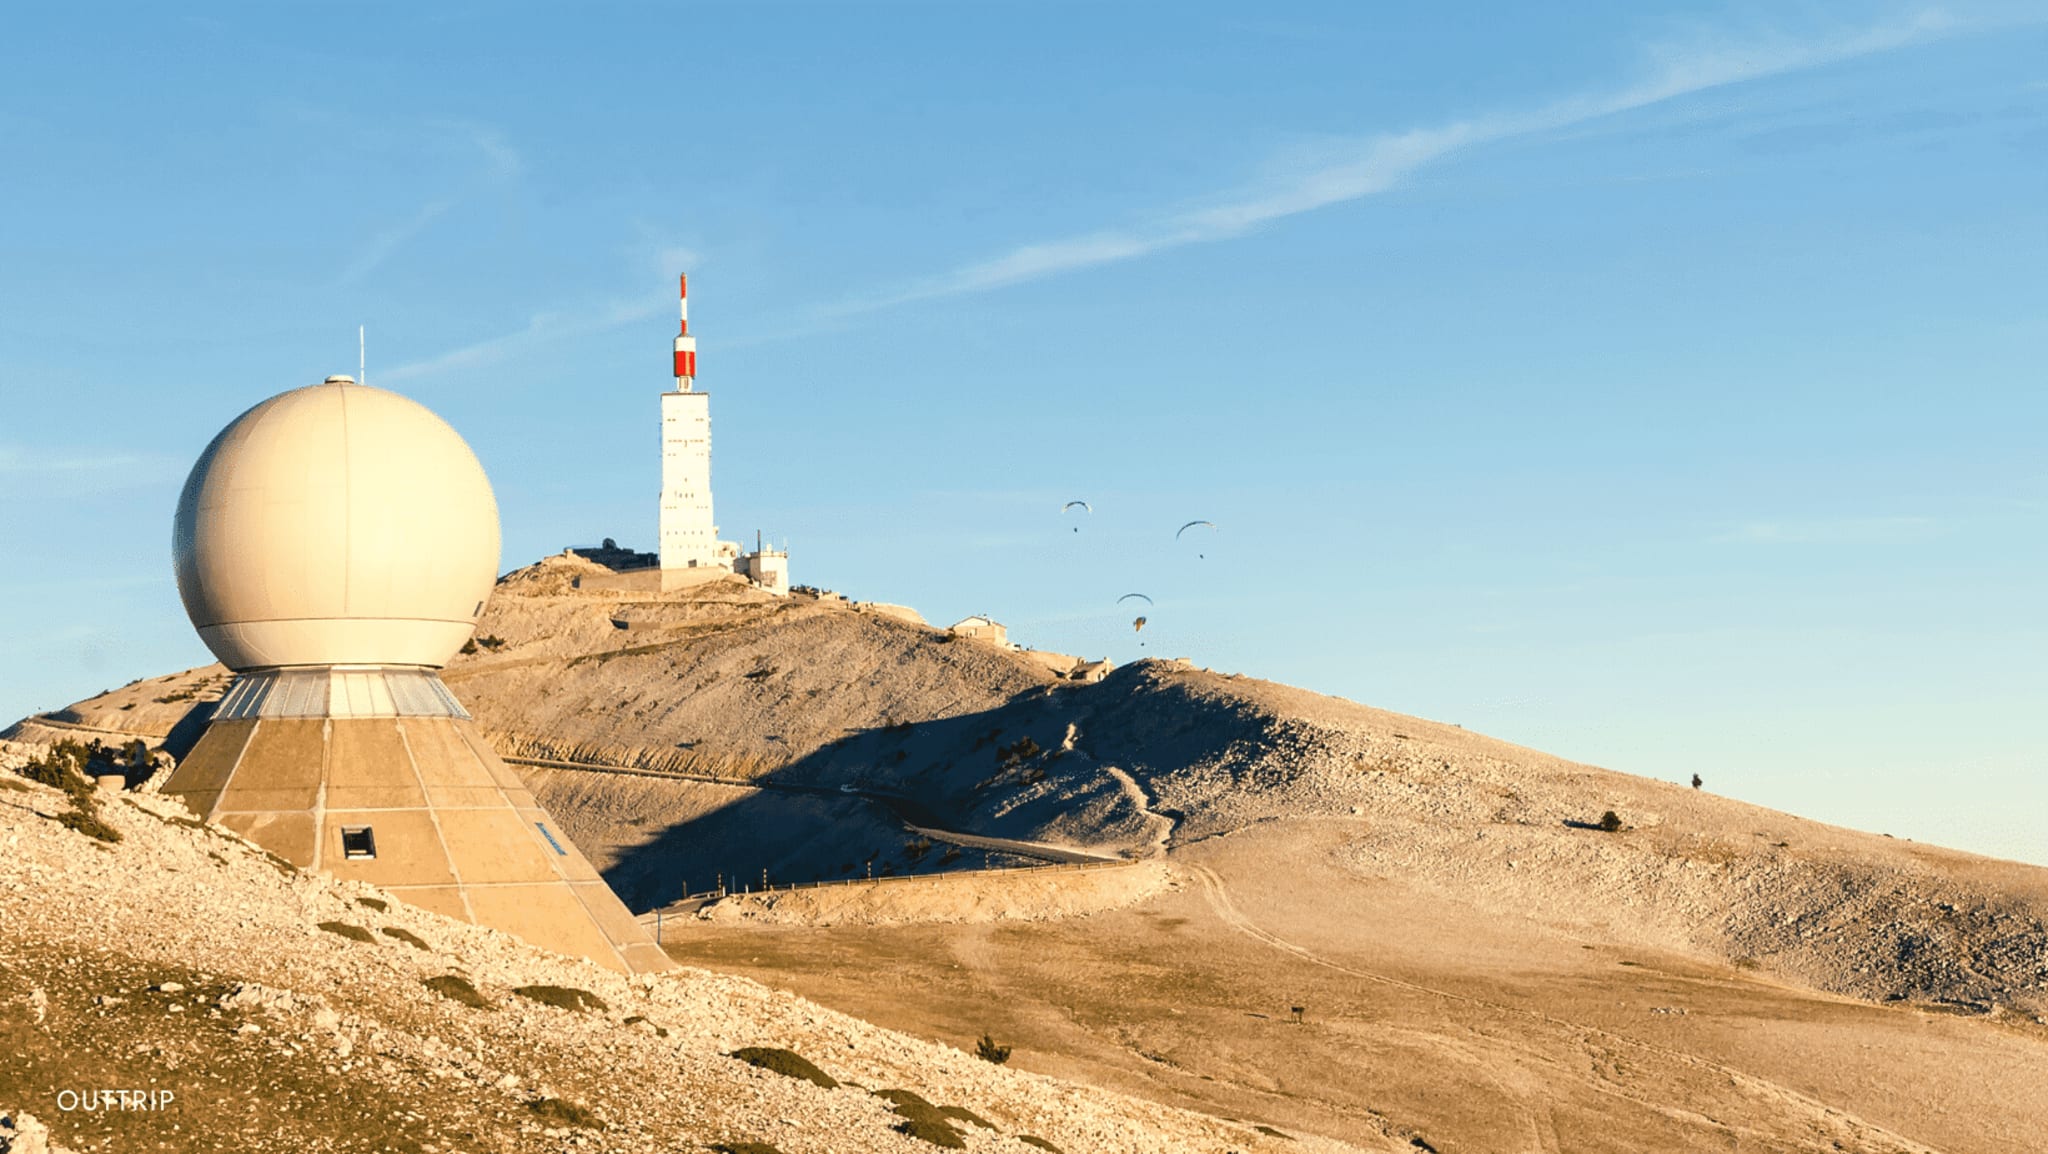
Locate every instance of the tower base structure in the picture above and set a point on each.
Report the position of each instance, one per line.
(378, 774)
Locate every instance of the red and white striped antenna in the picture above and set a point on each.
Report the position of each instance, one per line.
(686, 345)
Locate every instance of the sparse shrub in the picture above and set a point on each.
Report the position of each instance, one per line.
(788, 1063)
(408, 937)
(915, 850)
(490, 642)
(966, 1115)
(352, 933)
(1748, 963)
(659, 1031)
(744, 1148)
(456, 988)
(1610, 822)
(988, 1051)
(71, 767)
(1022, 749)
(88, 823)
(469, 647)
(1698, 781)
(922, 1120)
(563, 998)
(563, 1112)
(951, 855)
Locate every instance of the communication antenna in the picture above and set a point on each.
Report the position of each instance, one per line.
(362, 357)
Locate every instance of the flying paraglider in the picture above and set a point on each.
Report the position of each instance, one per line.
(1139, 596)
(1190, 525)
(1084, 506)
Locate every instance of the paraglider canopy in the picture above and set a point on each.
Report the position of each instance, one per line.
(1190, 525)
(1139, 596)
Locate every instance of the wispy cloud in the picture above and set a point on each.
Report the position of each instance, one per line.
(1833, 531)
(384, 243)
(541, 328)
(497, 162)
(1355, 169)
(37, 472)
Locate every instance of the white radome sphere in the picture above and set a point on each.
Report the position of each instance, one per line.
(336, 525)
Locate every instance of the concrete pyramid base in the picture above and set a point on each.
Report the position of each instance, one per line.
(417, 805)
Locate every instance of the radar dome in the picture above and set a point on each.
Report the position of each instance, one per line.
(336, 525)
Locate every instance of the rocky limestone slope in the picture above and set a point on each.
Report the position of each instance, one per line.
(284, 1011)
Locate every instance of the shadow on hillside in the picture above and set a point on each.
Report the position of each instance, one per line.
(803, 828)
(995, 772)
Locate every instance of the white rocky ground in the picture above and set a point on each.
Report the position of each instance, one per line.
(183, 959)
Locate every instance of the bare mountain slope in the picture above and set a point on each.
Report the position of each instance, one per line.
(289, 1012)
(800, 692)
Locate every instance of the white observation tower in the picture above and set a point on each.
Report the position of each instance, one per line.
(689, 537)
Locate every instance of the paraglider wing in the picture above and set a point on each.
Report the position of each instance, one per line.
(1190, 525)
(1138, 625)
(1139, 596)
(1082, 504)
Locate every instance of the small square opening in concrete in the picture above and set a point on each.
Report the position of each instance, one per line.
(358, 843)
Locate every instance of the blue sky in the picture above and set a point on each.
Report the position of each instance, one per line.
(1659, 386)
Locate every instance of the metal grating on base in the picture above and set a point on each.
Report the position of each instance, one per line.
(338, 691)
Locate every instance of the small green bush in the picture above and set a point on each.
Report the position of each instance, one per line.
(352, 933)
(456, 988)
(563, 1112)
(966, 1115)
(788, 1063)
(563, 998)
(1610, 822)
(922, 1120)
(988, 1051)
(88, 823)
